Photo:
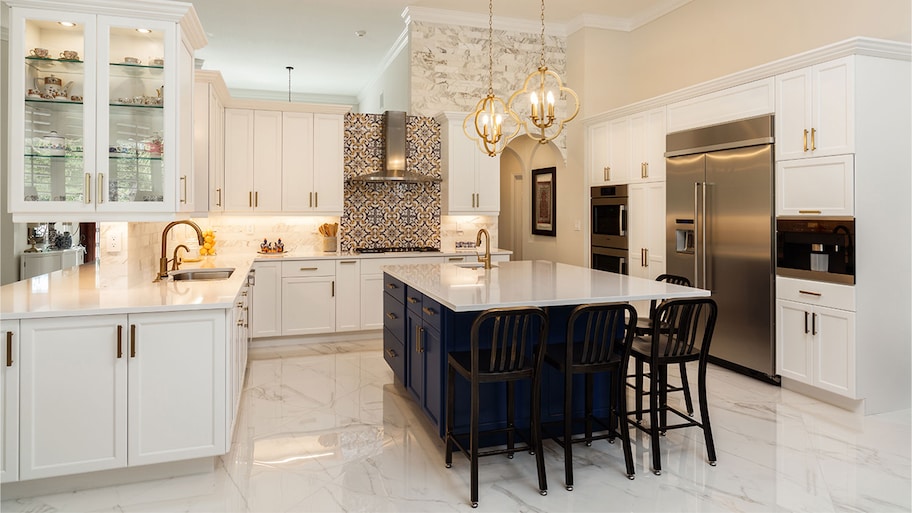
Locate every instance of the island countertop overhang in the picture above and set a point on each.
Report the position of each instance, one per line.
(530, 282)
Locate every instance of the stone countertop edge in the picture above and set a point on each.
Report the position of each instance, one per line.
(95, 289)
(527, 282)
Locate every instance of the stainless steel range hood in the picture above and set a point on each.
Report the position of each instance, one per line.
(394, 165)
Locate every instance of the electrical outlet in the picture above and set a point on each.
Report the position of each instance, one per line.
(576, 225)
(114, 243)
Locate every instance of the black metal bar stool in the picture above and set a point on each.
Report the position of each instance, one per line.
(598, 340)
(683, 336)
(644, 328)
(517, 337)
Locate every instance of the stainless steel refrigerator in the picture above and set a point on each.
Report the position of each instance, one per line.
(720, 234)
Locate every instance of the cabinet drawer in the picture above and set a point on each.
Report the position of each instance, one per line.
(830, 295)
(394, 354)
(431, 313)
(393, 315)
(394, 287)
(294, 268)
(413, 299)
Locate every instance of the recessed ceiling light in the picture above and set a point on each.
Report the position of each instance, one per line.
(67, 23)
(143, 30)
(360, 33)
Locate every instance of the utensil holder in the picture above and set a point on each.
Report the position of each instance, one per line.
(329, 244)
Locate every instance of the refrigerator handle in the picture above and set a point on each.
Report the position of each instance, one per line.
(696, 282)
(705, 277)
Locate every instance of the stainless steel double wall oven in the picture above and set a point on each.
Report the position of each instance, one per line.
(609, 228)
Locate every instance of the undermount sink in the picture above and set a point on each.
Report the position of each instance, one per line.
(212, 273)
(473, 265)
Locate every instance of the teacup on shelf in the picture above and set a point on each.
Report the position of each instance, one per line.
(131, 60)
(69, 55)
(41, 53)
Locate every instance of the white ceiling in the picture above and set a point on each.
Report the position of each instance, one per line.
(252, 42)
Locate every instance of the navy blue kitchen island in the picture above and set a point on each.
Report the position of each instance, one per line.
(429, 309)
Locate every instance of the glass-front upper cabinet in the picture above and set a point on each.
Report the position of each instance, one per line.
(96, 128)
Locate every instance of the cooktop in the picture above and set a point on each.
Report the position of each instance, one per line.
(401, 249)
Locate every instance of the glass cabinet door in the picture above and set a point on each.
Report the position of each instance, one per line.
(53, 124)
(134, 160)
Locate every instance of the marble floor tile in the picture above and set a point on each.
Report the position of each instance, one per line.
(325, 428)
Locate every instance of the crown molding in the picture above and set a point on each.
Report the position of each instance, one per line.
(866, 46)
(655, 13)
(278, 100)
(478, 20)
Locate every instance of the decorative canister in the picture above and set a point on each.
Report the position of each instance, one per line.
(329, 244)
(54, 144)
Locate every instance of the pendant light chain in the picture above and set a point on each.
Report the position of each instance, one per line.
(491, 47)
(541, 62)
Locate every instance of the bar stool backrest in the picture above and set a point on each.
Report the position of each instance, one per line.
(674, 279)
(514, 334)
(607, 335)
(686, 324)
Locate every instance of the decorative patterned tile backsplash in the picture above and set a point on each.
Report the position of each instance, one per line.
(386, 214)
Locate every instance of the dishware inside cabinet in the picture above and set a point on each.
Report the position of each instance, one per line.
(136, 115)
(54, 114)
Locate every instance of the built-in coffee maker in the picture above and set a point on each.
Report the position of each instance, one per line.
(821, 249)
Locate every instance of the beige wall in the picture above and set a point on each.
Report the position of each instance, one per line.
(706, 39)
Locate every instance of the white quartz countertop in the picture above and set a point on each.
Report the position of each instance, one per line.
(528, 282)
(95, 289)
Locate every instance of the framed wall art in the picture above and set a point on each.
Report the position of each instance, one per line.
(544, 202)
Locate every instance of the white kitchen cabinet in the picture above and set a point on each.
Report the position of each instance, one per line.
(176, 383)
(149, 388)
(609, 152)
(308, 297)
(815, 110)
(266, 311)
(239, 328)
(253, 160)
(471, 178)
(348, 295)
(73, 418)
(312, 162)
(9, 395)
(111, 145)
(647, 146)
(815, 339)
(34, 264)
(209, 138)
(371, 306)
(646, 228)
(816, 186)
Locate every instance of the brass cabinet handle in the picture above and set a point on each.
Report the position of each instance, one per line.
(813, 324)
(132, 341)
(805, 139)
(646, 165)
(332, 288)
(99, 194)
(309, 268)
(183, 180)
(316, 200)
(805, 322)
(607, 173)
(418, 331)
(813, 139)
(808, 292)
(9, 348)
(392, 316)
(119, 341)
(428, 311)
(348, 261)
(810, 212)
(392, 353)
(392, 286)
(310, 199)
(250, 199)
(88, 188)
(218, 194)
(412, 300)
(256, 199)
(645, 257)
(456, 259)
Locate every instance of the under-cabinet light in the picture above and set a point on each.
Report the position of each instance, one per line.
(144, 30)
(67, 23)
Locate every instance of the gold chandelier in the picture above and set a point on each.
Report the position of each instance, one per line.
(542, 123)
(490, 114)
